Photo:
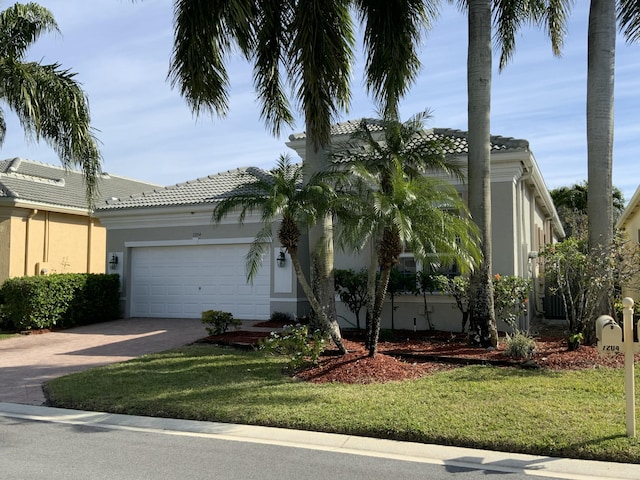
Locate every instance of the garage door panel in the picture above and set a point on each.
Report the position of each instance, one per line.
(183, 281)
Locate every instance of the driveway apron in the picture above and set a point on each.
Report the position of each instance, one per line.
(28, 361)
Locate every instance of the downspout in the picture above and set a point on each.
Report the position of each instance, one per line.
(89, 237)
(45, 247)
(522, 229)
(31, 214)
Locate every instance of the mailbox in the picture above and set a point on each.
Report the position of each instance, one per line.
(609, 335)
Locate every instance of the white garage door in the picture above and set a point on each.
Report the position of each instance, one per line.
(184, 281)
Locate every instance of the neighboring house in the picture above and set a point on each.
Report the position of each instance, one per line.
(178, 264)
(45, 223)
(629, 224)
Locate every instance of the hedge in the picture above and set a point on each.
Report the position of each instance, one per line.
(59, 300)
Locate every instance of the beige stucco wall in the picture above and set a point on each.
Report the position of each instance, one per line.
(33, 240)
(632, 232)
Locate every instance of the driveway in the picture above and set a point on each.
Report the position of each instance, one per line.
(28, 361)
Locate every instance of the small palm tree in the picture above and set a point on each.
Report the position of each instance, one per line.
(388, 199)
(49, 103)
(281, 196)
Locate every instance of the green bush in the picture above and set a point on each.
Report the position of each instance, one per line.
(281, 317)
(520, 345)
(510, 296)
(297, 343)
(59, 300)
(219, 321)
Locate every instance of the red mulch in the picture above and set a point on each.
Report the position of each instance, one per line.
(413, 355)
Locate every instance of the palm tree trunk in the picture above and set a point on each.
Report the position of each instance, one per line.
(381, 293)
(600, 82)
(321, 241)
(600, 94)
(482, 328)
(371, 293)
(329, 326)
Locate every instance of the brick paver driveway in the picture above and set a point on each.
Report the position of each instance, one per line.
(27, 361)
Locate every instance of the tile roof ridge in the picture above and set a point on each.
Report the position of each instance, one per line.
(122, 177)
(34, 178)
(16, 162)
(509, 142)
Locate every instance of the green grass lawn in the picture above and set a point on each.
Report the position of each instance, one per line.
(5, 335)
(578, 414)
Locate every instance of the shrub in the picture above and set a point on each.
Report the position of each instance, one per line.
(59, 300)
(574, 341)
(520, 345)
(511, 296)
(284, 318)
(458, 288)
(297, 343)
(586, 277)
(351, 287)
(219, 321)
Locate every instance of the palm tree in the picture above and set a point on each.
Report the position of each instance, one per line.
(280, 197)
(600, 75)
(47, 100)
(508, 17)
(306, 44)
(390, 204)
(600, 101)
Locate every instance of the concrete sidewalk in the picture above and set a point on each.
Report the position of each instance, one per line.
(490, 462)
(28, 361)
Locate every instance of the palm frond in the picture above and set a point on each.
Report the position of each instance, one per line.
(629, 19)
(50, 105)
(392, 36)
(205, 31)
(20, 27)
(270, 56)
(321, 54)
(257, 250)
(3, 127)
(509, 16)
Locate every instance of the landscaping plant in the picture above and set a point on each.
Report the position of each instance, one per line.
(510, 298)
(219, 321)
(298, 344)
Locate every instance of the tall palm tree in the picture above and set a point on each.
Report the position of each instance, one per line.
(280, 198)
(600, 81)
(600, 124)
(306, 44)
(392, 204)
(47, 100)
(508, 17)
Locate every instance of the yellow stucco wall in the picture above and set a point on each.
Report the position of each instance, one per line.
(32, 240)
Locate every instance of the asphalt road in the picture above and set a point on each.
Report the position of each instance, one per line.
(56, 444)
(39, 450)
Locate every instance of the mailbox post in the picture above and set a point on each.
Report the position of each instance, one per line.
(629, 380)
(612, 340)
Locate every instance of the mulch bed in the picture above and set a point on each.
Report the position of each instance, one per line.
(416, 354)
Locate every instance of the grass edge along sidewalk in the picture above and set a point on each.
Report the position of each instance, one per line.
(572, 414)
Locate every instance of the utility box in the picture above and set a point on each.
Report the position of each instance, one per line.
(609, 335)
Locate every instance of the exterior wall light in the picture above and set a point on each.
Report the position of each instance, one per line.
(114, 261)
(281, 260)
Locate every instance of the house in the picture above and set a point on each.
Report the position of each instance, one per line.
(629, 225)
(524, 220)
(45, 223)
(178, 264)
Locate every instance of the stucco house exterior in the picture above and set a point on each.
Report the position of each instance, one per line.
(176, 263)
(45, 222)
(629, 224)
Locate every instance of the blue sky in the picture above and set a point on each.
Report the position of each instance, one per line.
(120, 51)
